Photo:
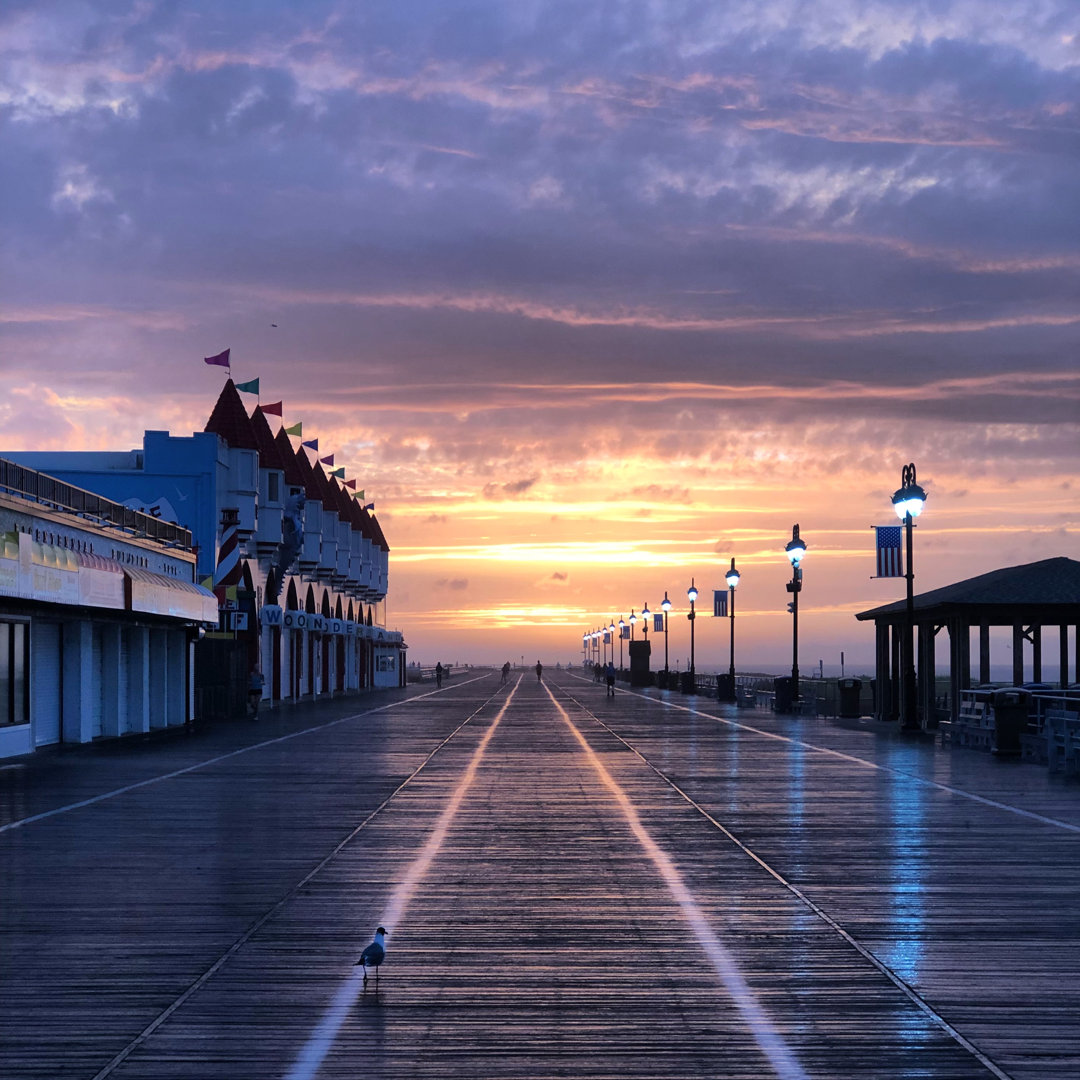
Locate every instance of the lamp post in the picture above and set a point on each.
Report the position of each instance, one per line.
(908, 504)
(691, 595)
(633, 619)
(732, 578)
(622, 626)
(646, 614)
(665, 607)
(611, 632)
(795, 549)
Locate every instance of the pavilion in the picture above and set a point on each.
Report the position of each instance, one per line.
(1025, 598)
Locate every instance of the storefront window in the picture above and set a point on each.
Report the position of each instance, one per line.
(14, 673)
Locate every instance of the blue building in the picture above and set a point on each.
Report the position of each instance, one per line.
(299, 566)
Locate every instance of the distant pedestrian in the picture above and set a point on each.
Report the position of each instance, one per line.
(610, 672)
(255, 691)
(438, 675)
(505, 673)
(539, 670)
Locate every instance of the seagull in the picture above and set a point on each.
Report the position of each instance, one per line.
(374, 955)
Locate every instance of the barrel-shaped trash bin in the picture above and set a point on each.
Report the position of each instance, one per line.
(1010, 705)
(784, 691)
(850, 690)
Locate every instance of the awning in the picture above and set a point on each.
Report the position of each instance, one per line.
(101, 582)
(155, 594)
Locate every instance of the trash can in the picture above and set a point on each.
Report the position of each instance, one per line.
(686, 683)
(849, 698)
(784, 689)
(725, 686)
(1010, 706)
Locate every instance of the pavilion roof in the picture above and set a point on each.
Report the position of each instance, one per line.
(1037, 586)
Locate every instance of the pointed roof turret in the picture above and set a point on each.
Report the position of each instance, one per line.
(269, 454)
(287, 455)
(230, 421)
(311, 484)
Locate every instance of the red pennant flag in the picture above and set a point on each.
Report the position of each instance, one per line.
(351, 483)
(274, 409)
(329, 460)
(221, 360)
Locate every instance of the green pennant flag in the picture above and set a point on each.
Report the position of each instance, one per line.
(339, 472)
(296, 429)
(248, 387)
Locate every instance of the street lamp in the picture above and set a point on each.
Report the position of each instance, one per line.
(732, 578)
(665, 606)
(622, 627)
(908, 504)
(795, 549)
(691, 595)
(611, 631)
(633, 619)
(646, 614)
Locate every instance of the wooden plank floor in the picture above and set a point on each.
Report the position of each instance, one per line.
(202, 925)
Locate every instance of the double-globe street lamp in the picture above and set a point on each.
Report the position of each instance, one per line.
(665, 607)
(691, 595)
(908, 503)
(795, 549)
(732, 578)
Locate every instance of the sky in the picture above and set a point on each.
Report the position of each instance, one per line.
(591, 298)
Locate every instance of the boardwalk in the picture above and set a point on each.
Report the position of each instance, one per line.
(575, 886)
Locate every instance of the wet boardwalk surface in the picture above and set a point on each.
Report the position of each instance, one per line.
(575, 886)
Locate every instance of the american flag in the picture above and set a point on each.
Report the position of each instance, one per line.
(624, 630)
(889, 542)
(658, 622)
(719, 604)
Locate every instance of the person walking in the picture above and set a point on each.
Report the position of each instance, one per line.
(539, 670)
(505, 673)
(255, 691)
(438, 675)
(610, 672)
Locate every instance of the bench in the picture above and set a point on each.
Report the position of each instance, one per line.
(1061, 734)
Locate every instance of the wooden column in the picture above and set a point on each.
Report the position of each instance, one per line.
(1018, 654)
(1036, 654)
(927, 677)
(984, 654)
(959, 663)
(1063, 661)
(881, 669)
(895, 670)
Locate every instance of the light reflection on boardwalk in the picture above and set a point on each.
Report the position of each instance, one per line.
(893, 910)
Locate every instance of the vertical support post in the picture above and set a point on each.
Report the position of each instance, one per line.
(984, 654)
(1036, 654)
(1018, 654)
(1063, 661)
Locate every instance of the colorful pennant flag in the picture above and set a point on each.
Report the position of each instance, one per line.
(351, 483)
(296, 429)
(370, 506)
(340, 471)
(719, 603)
(889, 560)
(360, 494)
(274, 409)
(251, 387)
(312, 444)
(221, 360)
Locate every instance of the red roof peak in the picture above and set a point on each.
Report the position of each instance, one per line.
(230, 421)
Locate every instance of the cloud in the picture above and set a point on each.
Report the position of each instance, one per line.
(453, 584)
(509, 490)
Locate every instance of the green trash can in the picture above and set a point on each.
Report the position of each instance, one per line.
(850, 690)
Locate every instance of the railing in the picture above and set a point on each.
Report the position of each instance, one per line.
(58, 495)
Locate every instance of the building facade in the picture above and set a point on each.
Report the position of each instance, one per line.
(99, 613)
(299, 566)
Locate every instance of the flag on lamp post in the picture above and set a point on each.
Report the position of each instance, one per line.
(890, 562)
(658, 622)
(220, 360)
(719, 603)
